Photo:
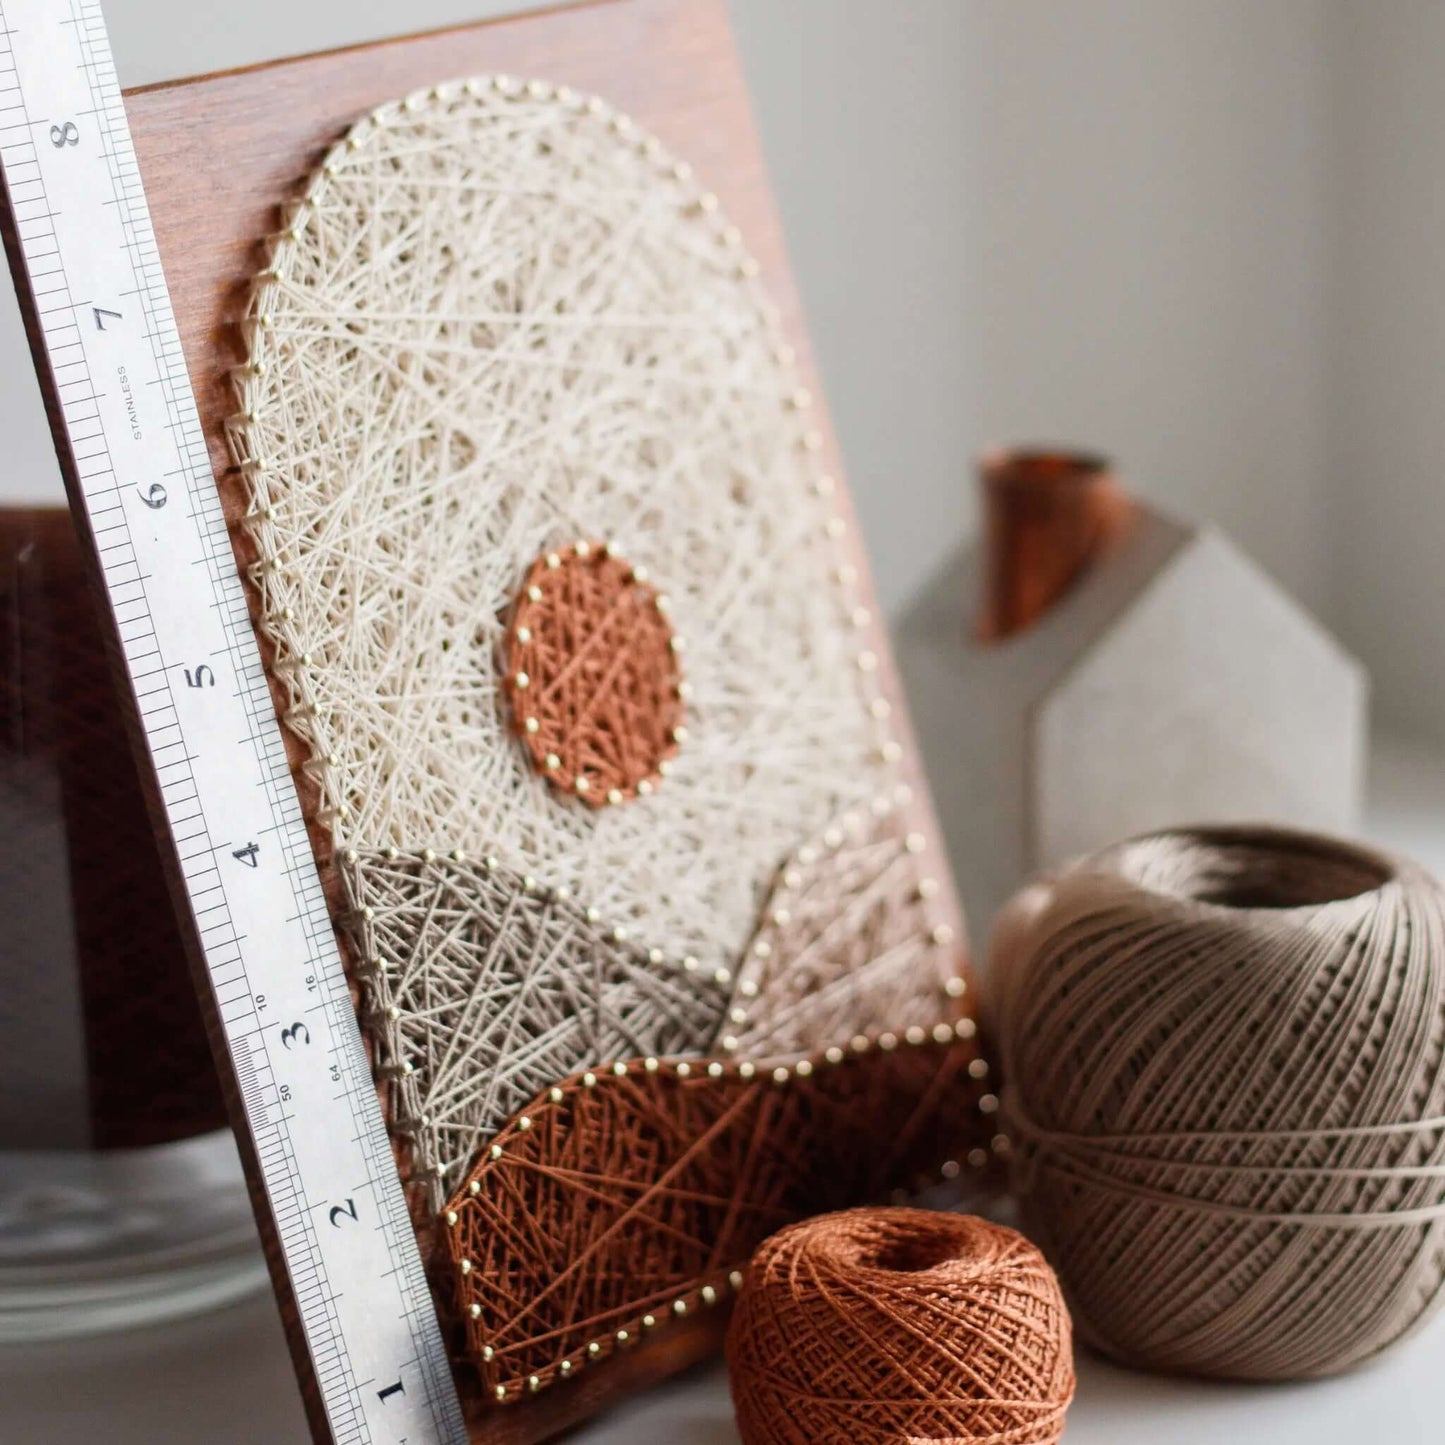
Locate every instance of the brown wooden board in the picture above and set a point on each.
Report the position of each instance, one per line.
(222, 153)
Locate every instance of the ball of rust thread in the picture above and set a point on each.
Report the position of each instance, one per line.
(883, 1326)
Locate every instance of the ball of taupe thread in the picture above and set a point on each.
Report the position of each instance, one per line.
(1225, 1092)
(884, 1326)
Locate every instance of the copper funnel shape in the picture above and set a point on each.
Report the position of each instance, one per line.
(1048, 516)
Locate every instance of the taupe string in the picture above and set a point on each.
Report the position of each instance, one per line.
(1224, 1053)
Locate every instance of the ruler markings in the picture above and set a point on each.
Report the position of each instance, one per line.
(79, 214)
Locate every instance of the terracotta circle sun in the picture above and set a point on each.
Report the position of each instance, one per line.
(593, 674)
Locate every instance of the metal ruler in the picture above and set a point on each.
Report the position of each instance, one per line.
(83, 252)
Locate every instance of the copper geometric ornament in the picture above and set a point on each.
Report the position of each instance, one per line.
(592, 674)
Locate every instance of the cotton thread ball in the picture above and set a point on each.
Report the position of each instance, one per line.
(1226, 1098)
(886, 1326)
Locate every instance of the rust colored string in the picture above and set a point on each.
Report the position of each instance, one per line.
(623, 1200)
(593, 675)
(899, 1327)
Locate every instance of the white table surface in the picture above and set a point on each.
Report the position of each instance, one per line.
(226, 1379)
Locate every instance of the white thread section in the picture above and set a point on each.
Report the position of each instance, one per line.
(500, 320)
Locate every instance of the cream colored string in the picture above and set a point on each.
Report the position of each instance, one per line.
(503, 319)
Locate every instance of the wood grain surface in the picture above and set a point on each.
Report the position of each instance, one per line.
(222, 153)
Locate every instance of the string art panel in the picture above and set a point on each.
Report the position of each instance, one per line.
(562, 606)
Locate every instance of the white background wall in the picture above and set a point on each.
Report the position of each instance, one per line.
(1149, 206)
(1203, 235)
(1386, 438)
(1102, 223)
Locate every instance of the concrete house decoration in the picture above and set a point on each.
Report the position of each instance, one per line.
(1126, 671)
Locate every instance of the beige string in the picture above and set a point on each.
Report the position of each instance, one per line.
(1227, 1096)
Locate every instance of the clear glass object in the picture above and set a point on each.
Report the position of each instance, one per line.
(121, 1194)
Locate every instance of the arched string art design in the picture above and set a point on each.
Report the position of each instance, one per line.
(593, 674)
(564, 607)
